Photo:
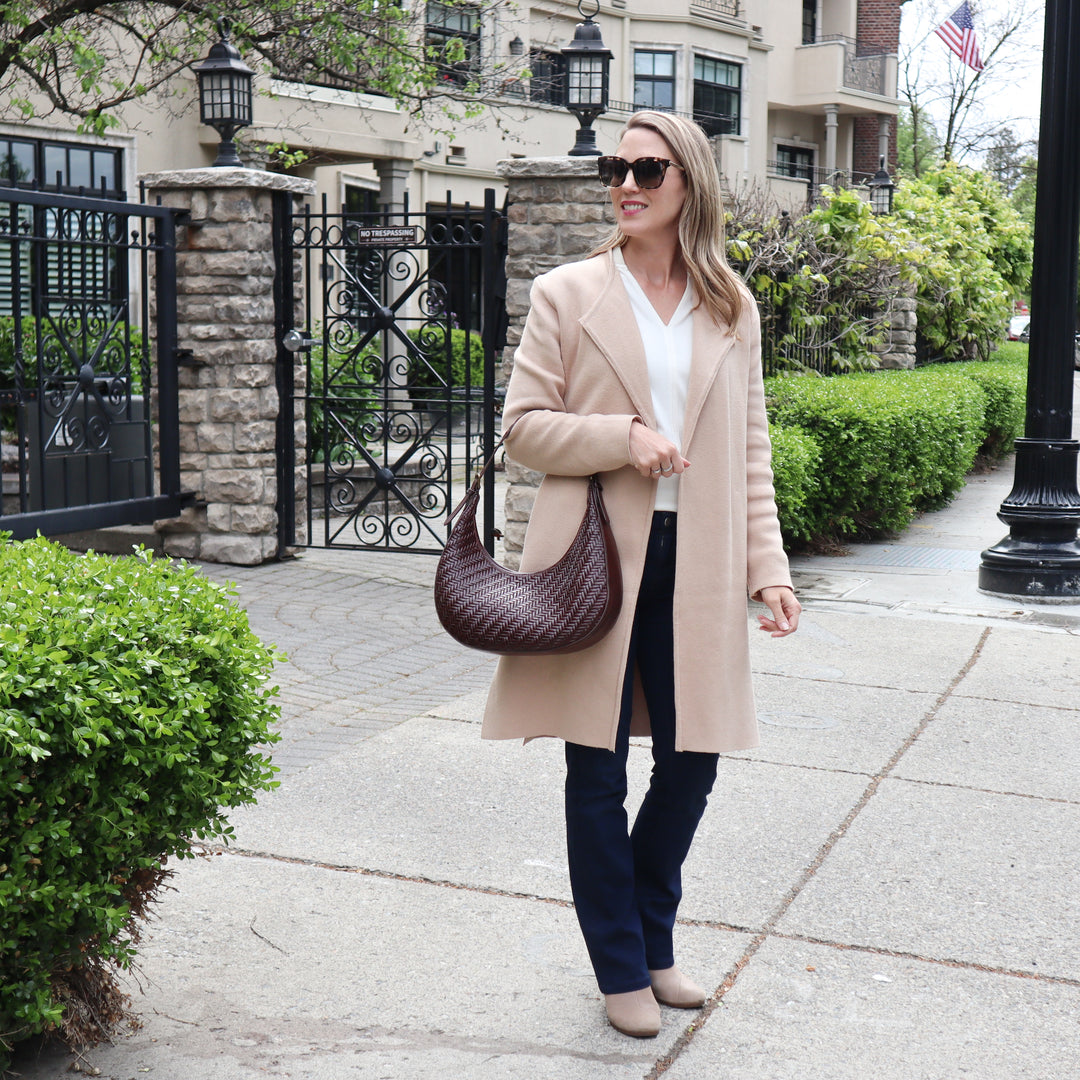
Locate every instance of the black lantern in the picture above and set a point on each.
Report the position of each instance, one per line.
(588, 61)
(881, 190)
(225, 94)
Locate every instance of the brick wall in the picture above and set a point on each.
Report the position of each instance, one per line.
(877, 31)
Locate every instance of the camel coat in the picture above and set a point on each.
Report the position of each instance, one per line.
(579, 380)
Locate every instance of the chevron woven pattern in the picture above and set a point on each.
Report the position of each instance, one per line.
(564, 608)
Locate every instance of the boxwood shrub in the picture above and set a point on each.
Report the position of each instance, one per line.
(891, 443)
(133, 705)
(796, 462)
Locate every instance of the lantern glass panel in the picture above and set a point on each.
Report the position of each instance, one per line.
(585, 82)
(881, 199)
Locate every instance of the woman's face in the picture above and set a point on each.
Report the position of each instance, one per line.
(651, 213)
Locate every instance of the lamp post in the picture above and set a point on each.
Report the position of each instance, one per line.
(1040, 558)
(588, 62)
(881, 190)
(225, 95)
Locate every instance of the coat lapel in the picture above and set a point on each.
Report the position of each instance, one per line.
(710, 350)
(611, 325)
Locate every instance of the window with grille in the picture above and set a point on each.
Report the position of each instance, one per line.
(79, 260)
(445, 27)
(654, 80)
(795, 161)
(548, 81)
(717, 95)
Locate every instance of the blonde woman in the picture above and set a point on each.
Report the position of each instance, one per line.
(642, 363)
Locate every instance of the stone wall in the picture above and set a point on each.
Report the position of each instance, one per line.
(228, 395)
(558, 212)
(898, 349)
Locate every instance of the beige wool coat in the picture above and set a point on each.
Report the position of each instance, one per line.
(579, 380)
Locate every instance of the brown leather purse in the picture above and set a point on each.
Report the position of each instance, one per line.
(566, 607)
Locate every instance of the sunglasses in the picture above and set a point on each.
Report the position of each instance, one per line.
(648, 172)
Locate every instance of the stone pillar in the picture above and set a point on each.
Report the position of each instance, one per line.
(394, 176)
(831, 122)
(898, 348)
(558, 212)
(228, 395)
(884, 128)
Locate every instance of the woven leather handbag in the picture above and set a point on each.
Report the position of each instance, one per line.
(566, 607)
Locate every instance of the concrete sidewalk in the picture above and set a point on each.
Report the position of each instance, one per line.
(887, 887)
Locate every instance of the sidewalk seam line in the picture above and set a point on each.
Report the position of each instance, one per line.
(684, 1040)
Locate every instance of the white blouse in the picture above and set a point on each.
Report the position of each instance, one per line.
(667, 352)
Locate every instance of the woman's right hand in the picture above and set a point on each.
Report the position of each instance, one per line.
(652, 455)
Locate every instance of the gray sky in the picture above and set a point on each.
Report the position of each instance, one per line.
(1010, 96)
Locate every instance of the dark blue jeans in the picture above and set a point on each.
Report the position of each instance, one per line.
(627, 887)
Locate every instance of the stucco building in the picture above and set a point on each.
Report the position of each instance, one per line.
(796, 92)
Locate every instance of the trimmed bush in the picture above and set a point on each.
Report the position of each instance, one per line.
(796, 462)
(133, 701)
(1005, 387)
(891, 443)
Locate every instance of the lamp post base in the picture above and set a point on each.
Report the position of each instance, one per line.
(1040, 558)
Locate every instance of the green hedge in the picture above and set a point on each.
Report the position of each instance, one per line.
(133, 701)
(889, 443)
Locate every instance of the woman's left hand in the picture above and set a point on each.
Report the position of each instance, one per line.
(785, 609)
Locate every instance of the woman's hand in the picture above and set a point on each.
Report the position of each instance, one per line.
(785, 609)
(652, 455)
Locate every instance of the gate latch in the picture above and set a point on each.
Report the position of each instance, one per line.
(295, 342)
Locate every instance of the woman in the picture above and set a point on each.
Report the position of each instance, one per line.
(642, 363)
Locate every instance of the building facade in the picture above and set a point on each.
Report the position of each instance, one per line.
(796, 93)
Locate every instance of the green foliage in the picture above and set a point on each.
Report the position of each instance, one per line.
(93, 58)
(124, 341)
(824, 281)
(1005, 385)
(428, 374)
(891, 443)
(973, 257)
(133, 701)
(918, 144)
(796, 463)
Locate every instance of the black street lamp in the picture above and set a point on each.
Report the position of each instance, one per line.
(881, 190)
(225, 94)
(588, 61)
(1041, 555)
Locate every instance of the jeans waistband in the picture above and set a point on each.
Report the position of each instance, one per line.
(664, 519)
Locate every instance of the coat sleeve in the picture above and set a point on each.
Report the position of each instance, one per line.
(766, 561)
(546, 435)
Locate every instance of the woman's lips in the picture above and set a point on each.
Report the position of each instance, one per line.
(632, 207)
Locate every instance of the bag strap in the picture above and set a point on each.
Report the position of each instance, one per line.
(475, 485)
(594, 480)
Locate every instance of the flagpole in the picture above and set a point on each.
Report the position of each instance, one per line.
(1040, 558)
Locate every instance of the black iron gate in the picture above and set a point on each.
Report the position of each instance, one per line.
(75, 372)
(402, 319)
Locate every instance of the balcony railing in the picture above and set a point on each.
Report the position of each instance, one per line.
(868, 73)
(713, 123)
(720, 7)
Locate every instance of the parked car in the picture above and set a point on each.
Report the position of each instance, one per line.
(1019, 327)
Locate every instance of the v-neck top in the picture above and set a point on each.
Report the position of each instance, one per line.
(668, 347)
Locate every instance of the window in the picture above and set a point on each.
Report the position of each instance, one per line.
(446, 28)
(809, 22)
(548, 82)
(90, 270)
(795, 161)
(60, 166)
(717, 95)
(654, 80)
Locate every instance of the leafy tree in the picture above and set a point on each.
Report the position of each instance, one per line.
(973, 255)
(86, 58)
(934, 82)
(1006, 161)
(917, 141)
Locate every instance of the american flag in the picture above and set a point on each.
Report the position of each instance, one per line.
(958, 32)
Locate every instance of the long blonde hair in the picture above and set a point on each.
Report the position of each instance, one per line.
(701, 223)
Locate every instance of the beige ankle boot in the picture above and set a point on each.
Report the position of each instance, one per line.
(635, 1013)
(672, 988)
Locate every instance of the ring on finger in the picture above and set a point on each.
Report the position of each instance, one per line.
(657, 470)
